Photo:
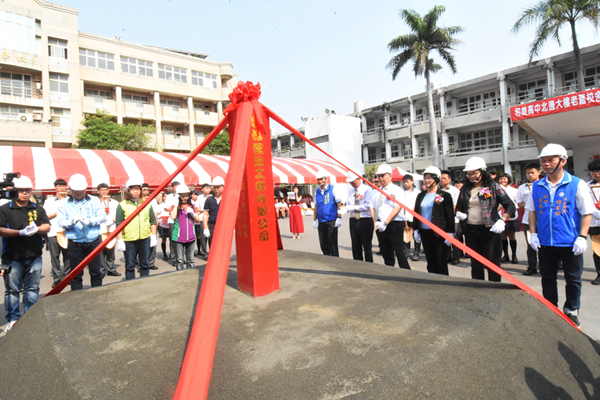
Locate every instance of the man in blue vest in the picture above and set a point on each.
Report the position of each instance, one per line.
(560, 208)
(326, 216)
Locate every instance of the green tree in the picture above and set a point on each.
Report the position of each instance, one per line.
(551, 15)
(417, 46)
(219, 146)
(103, 133)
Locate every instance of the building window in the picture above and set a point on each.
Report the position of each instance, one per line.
(419, 115)
(449, 107)
(17, 32)
(407, 150)
(59, 83)
(11, 113)
(382, 153)
(393, 119)
(490, 100)
(482, 140)
(200, 107)
(381, 122)
(168, 130)
(437, 111)
(58, 114)
(97, 59)
(422, 147)
(321, 139)
(469, 104)
(405, 118)
(199, 131)
(204, 80)
(532, 90)
(370, 124)
(170, 103)
(451, 144)
(137, 67)
(395, 149)
(98, 94)
(170, 73)
(372, 154)
(570, 80)
(57, 48)
(129, 98)
(592, 77)
(15, 84)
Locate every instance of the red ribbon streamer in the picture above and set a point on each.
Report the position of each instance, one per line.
(437, 230)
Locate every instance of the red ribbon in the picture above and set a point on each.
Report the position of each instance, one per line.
(248, 92)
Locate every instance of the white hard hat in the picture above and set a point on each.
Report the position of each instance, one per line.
(554, 149)
(431, 170)
(22, 183)
(475, 163)
(134, 182)
(218, 181)
(321, 173)
(351, 177)
(182, 189)
(78, 182)
(384, 169)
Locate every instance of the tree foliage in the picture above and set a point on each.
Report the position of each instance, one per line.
(103, 133)
(219, 145)
(417, 46)
(550, 16)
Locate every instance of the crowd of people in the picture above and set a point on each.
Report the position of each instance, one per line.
(559, 211)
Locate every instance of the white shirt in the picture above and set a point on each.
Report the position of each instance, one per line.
(512, 194)
(111, 216)
(595, 194)
(410, 200)
(163, 216)
(454, 193)
(583, 198)
(172, 200)
(365, 202)
(522, 195)
(51, 207)
(387, 206)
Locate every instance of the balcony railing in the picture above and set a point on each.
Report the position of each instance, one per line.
(476, 149)
(375, 161)
(522, 144)
(7, 90)
(477, 108)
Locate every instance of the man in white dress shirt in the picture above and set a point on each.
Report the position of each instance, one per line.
(361, 218)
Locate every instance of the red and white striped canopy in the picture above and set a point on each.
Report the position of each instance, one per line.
(115, 168)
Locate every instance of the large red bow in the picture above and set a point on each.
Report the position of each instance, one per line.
(247, 91)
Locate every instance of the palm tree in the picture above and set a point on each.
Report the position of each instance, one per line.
(551, 16)
(417, 46)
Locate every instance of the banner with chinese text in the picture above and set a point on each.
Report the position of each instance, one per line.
(568, 102)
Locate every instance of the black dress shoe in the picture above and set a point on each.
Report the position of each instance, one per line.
(114, 273)
(455, 261)
(596, 281)
(514, 260)
(530, 271)
(153, 267)
(505, 258)
(415, 257)
(165, 258)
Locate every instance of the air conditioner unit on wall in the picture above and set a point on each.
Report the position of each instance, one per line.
(37, 117)
(24, 117)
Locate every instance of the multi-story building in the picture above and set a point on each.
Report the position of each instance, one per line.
(473, 118)
(51, 75)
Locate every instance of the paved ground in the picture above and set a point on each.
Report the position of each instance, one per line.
(589, 313)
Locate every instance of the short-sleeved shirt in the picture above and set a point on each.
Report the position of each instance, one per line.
(427, 208)
(522, 195)
(365, 200)
(51, 207)
(212, 206)
(410, 199)
(387, 206)
(454, 192)
(14, 217)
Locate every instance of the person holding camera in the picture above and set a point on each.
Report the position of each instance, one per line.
(22, 224)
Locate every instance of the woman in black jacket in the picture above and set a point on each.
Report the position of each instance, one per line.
(436, 206)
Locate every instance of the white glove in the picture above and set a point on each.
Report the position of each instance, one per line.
(381, 225)
(29, 230)
(207, 233)
(121, 245)
(596, 214)
(498, 226)
(315, 224)
(338, 222)
(447, 242)
(534, 242)
(417, 237)
(190, 211)
(84, 221)
(349, 207)
(109, 222)
(152, 240)
(75, 220)
(580, 246)
(343, 211)
(461, 216)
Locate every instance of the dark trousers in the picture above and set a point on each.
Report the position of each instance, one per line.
(597, 263)
(171, 249)
(137, 250)
(107, 261)
(152, 256)
(436, 252)
(328, 238)
(456, 252)
(532, 255)
(211, 228)
(58, 273)
(77, 252)
(361, 234)
(572, 268)
(391, 245)
(486, 243)
(201, 241)
(184, 250)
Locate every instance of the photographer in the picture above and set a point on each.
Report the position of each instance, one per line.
(22, 258)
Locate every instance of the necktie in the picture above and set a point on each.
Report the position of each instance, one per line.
(379, 202)
(356, 201)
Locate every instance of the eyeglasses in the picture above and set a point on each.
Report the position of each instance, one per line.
(380, 175)
(473, 173)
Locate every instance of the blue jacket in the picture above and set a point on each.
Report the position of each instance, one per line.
(326, 205)
(558, 220)
(91, 208)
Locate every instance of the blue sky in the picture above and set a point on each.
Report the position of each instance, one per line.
(311, 55)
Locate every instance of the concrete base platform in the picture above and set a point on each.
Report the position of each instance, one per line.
(336, 329)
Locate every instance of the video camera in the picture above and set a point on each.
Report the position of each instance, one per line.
(7, 190)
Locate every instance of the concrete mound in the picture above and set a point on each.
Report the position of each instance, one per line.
(336, 329)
